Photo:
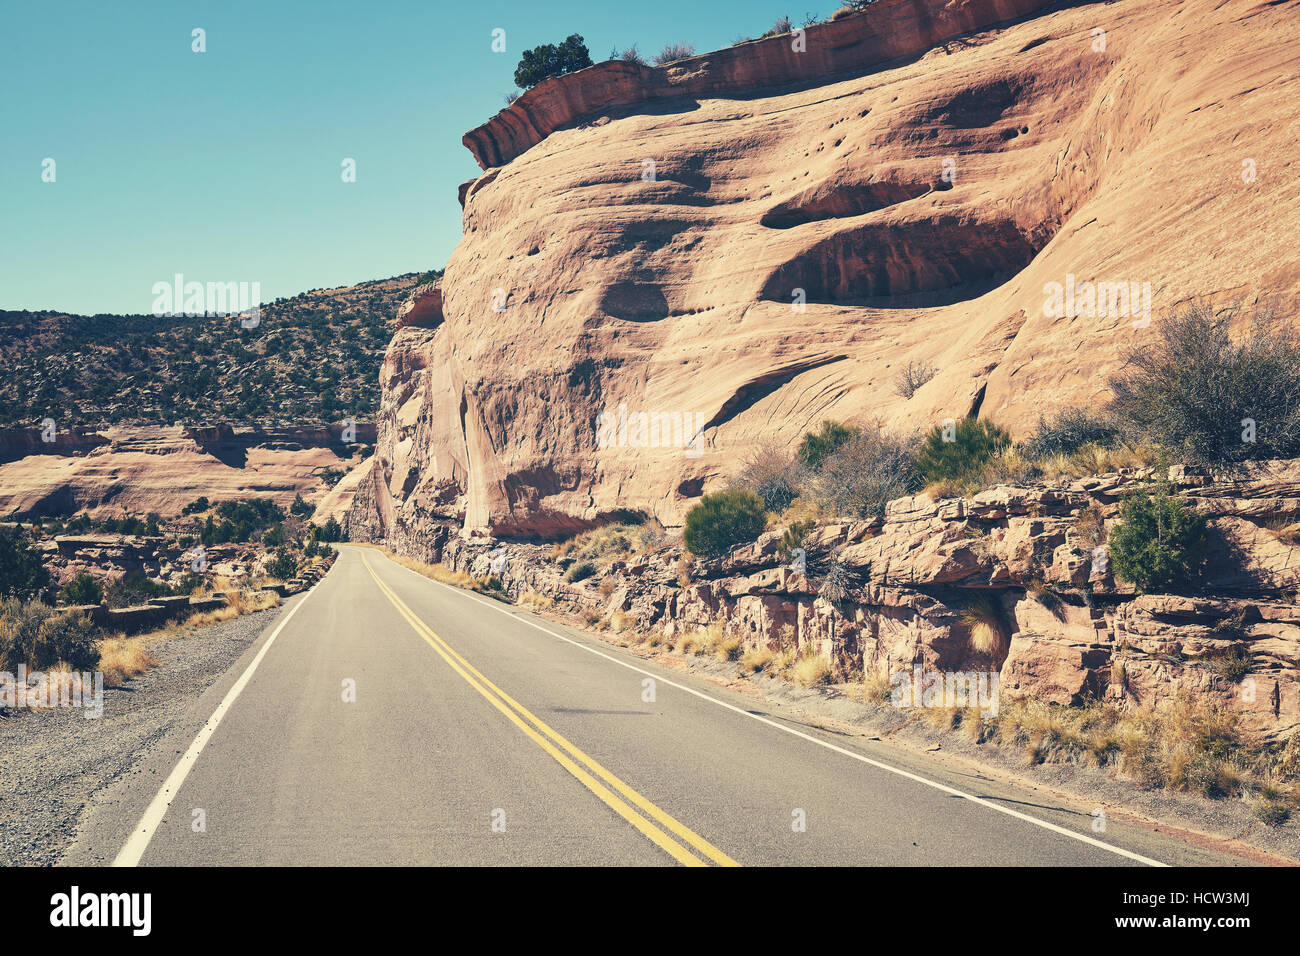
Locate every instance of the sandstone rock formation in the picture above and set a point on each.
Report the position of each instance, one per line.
(757, 239)
(141, 470)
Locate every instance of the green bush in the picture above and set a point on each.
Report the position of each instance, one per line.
(723, 520)
(817, 446)
(37, 635)
(21, 572)
(283, 566)
(974, 442)
(1157, 541)
(579, 572)
(543, 62)
(133, 589)
(82, 589)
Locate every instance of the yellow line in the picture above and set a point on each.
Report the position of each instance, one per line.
(513, 710)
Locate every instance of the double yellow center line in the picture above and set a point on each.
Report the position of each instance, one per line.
(668, 834)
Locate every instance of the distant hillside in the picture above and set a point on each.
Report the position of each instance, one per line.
(314, 357)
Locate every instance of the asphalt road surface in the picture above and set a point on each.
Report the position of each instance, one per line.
(388, 719)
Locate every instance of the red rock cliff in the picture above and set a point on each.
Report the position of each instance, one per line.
(750, 248)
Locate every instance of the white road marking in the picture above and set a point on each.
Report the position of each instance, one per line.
(138, 842)
(1082, 838)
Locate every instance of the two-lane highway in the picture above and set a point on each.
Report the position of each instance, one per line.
(388, 719)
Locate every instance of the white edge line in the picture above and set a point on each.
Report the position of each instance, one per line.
(981, 801)
(138, 842)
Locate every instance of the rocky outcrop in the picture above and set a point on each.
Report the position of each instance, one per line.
(1030, 563)
(735, 247)
(890, 30)
(142, 469)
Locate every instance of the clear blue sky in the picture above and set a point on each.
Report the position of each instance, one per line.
(225, 165)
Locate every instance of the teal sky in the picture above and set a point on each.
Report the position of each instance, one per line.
(225, 165)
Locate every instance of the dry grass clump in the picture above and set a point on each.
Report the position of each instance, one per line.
(809, 669)
(877, 688)
(1181, 745)
(757, 660)
(1288, 532)
(610, 542)
(619, 622)
(988, 631)
(537, 602)
(122, 658)
(489, 586)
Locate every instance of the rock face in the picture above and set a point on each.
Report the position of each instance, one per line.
(1027, 562)
(738, 246)
(141, 470)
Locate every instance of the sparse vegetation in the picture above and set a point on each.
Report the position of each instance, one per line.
(673, 52)
(95, 371)
(1068, 432)
(773, 474)
(82, 589)
(21, 572)
(580, 571)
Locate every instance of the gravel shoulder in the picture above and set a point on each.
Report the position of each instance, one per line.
(54, 765)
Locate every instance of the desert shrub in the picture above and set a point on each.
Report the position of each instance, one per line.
(1193, 389)
(793, 537)
(1067, 433)
(580, 571)
(723, 520)
(37, 635)
(870, 469)
(283, 566)
(779, 28)
(773, 474)
(82, 589)
(542, 62)
(913, 377)
(1157, 540)
(511, 97)
(630, 55)
(673, 52)
(301, 508)
(132, 589)
(198, 505)
(21, 572)
(816, 447)
(975, 442)
(69, 639)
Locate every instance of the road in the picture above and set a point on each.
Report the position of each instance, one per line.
(388, 719)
